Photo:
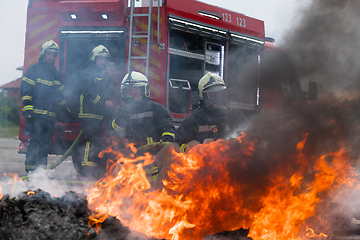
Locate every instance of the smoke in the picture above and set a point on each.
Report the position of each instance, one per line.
(269, 155)
(323, 49)
(327, 129)
(324, 46)
(47, 180)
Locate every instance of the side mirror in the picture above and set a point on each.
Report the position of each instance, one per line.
(313, 91)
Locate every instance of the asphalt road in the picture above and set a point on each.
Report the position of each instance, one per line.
(13, 162)
(10, 160)
(62, 179)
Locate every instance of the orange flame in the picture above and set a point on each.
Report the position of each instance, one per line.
(311, 233)
(290, 213)
(30, 193)
(15, 178)
(214, 187)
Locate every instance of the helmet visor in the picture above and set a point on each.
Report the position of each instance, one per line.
(103, 55)
(134, 91)
(214, 97)
(52, 50)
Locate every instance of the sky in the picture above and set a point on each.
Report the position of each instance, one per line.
(279, 17)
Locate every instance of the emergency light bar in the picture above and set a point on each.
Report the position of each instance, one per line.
(209, 14)
(197, 25)
(247, 38)
(81, 32)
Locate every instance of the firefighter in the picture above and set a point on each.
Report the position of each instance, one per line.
(41, 96)
(140, 120)
(211, 119)
(96, 88)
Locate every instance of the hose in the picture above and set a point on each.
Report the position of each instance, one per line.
(153, 145)
(63, 157)
(66, 154)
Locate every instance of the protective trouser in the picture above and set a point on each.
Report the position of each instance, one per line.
(41, 132)
(92, 145)
(152, 171)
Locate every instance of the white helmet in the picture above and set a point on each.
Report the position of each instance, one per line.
(49, 46)
(100, 50)
(212, 83)
(135, 79)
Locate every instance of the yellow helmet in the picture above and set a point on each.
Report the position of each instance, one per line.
(100, 50)
(212, 90)
(49, 46)
(210, 83)
(134, 79)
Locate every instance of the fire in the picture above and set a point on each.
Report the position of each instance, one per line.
(311, 233)
(284, 212)
(219, 186)
(11, 183)
(30, 193)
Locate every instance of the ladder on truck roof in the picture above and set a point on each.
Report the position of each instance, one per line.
(134, 35)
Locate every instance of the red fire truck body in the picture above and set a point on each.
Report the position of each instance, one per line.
(172, 42)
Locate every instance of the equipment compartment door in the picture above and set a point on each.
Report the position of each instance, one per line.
(76, 47)
(191, 55)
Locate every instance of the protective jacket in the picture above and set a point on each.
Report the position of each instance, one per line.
(40, 91)
(96, 89)
(143, 122)
(216, 123)
(95, 92)
(41, 88)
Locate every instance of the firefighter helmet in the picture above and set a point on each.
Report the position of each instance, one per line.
(211, 83)
(100, 50)
(135, 79)
(49, 46)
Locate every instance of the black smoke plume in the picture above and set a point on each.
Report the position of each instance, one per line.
(324, 47)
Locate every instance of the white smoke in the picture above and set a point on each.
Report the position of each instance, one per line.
(46, 180)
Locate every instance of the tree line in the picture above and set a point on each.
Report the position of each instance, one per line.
(9, 110)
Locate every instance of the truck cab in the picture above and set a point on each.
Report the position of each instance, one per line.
(278, 74)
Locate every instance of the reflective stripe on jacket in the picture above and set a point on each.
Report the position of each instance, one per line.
(144, 121)
(40, 89)
(95, 91)
(206, 123)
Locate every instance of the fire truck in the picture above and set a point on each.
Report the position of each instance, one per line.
(172, 42)
(278, 81)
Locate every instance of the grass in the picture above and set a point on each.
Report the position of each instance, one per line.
(10, 131)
